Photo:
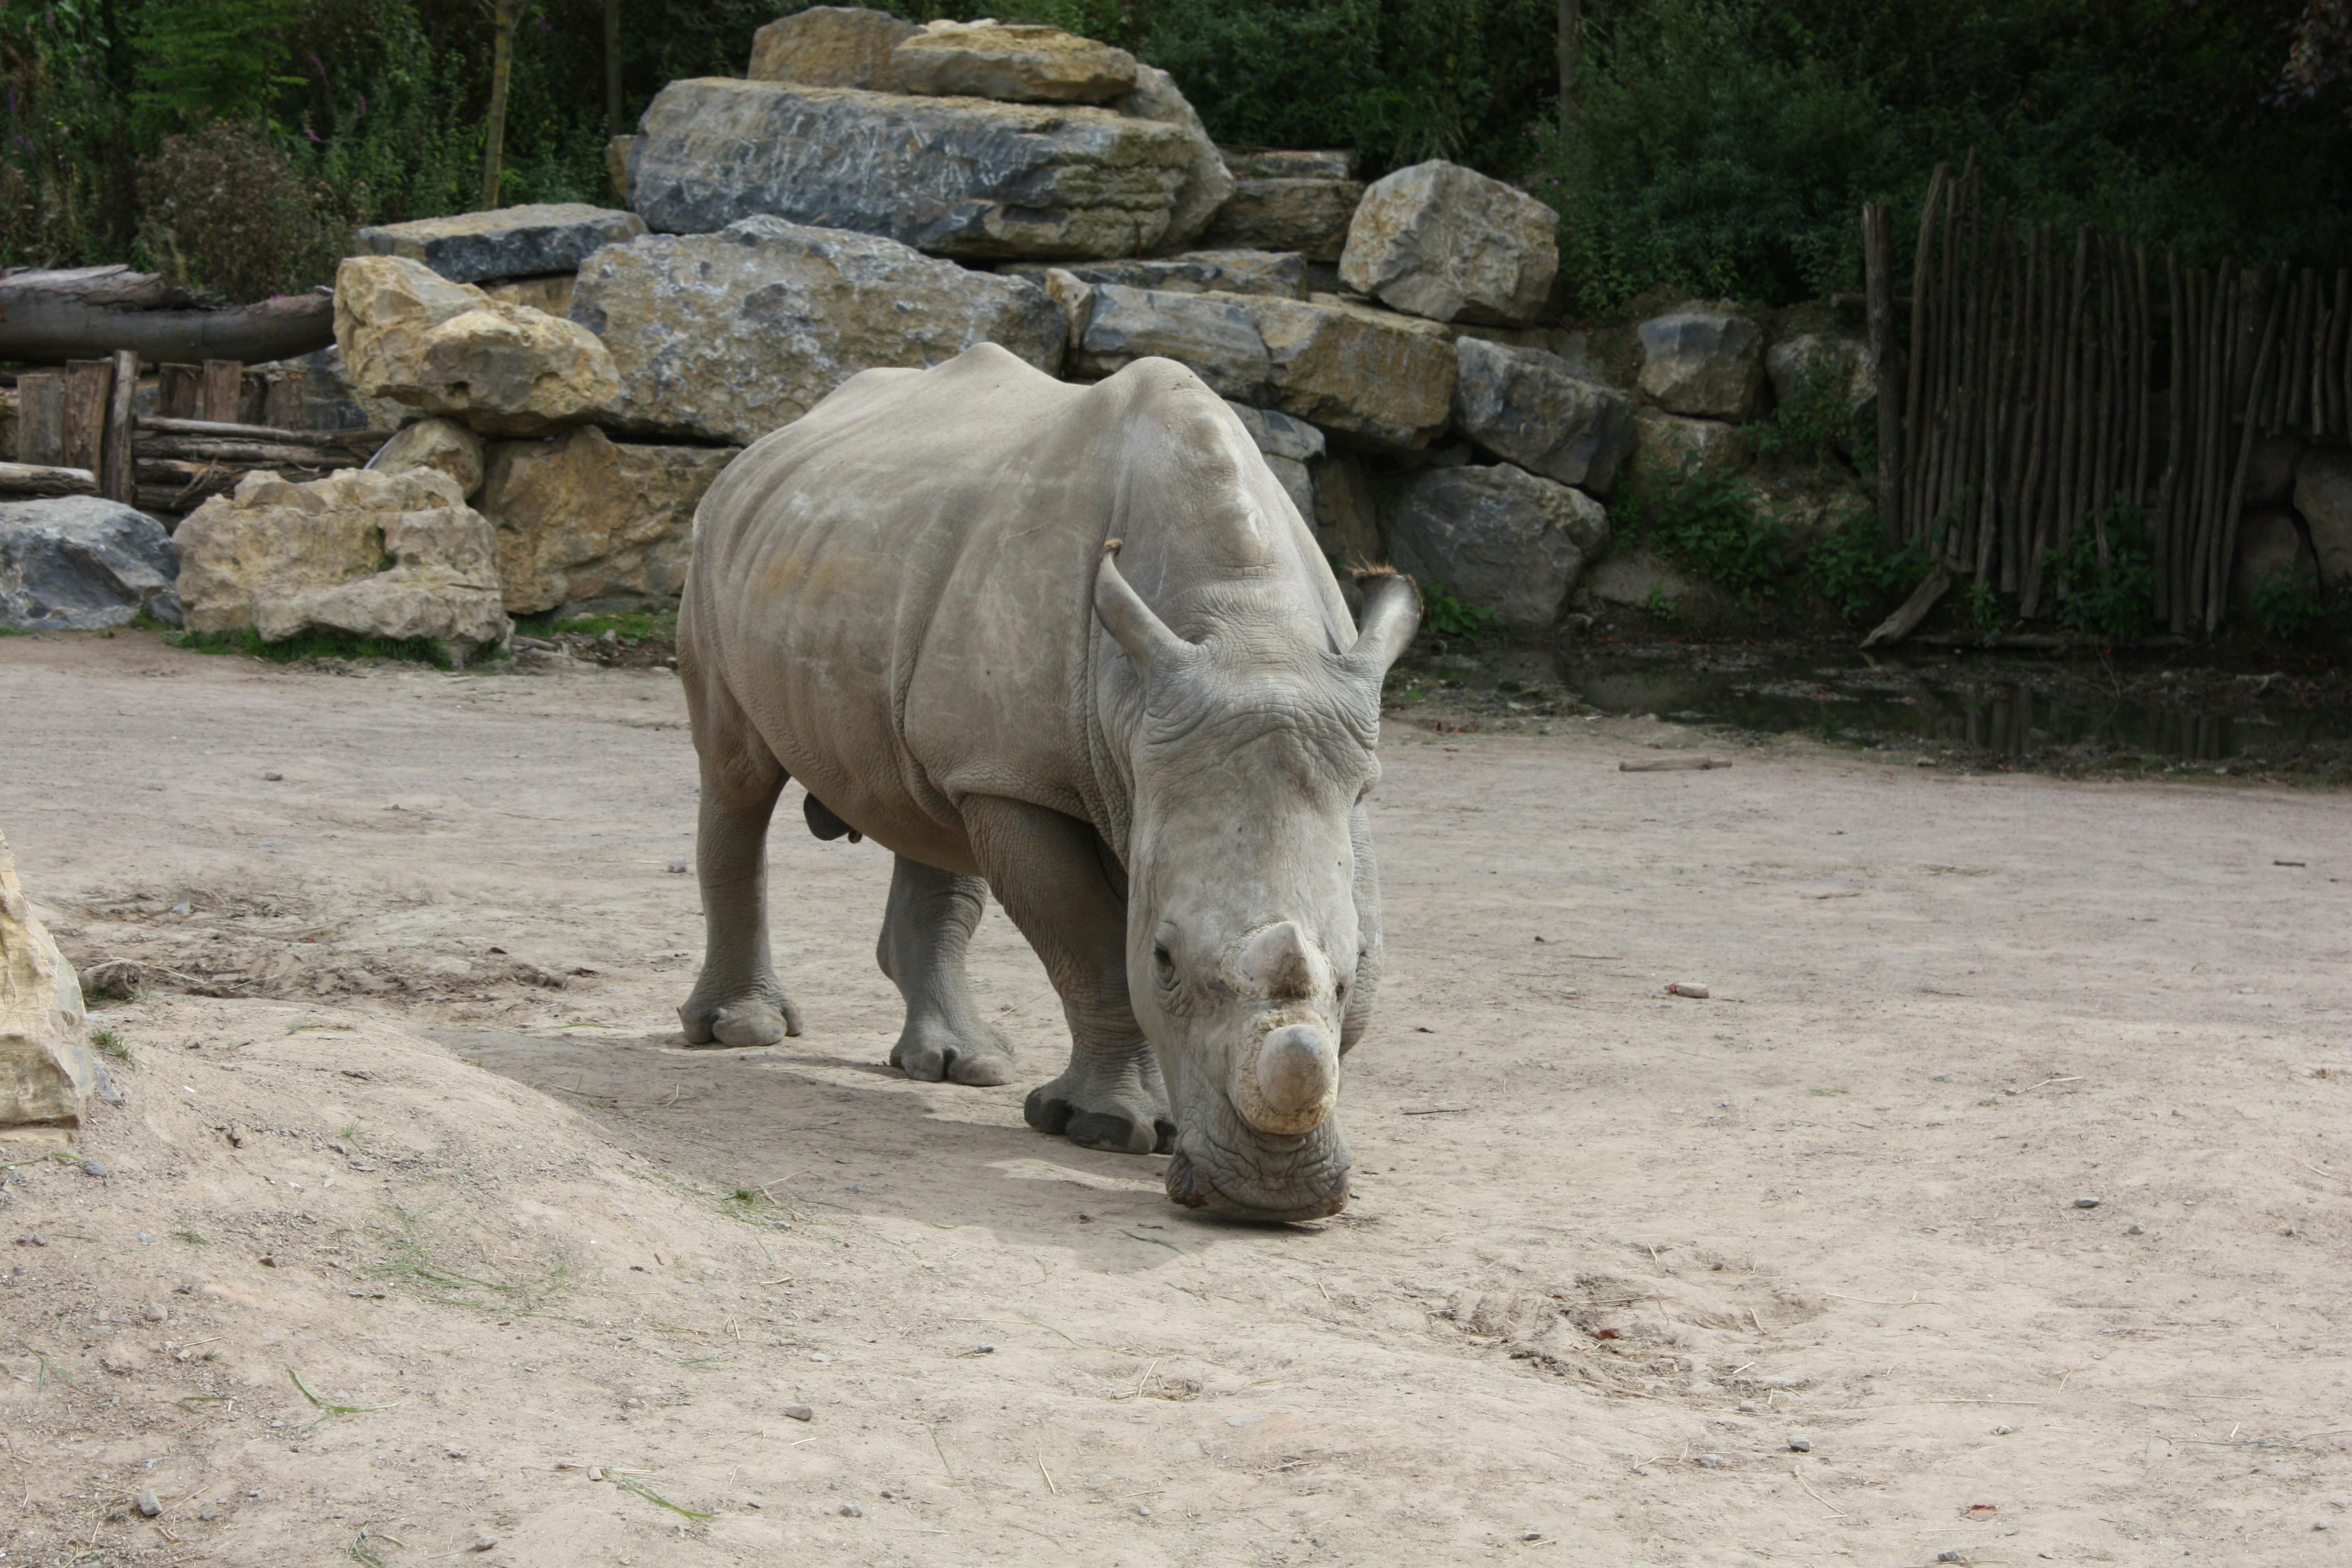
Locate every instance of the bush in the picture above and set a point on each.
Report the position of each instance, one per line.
(1815, 424)
(224, 211)
(1708, 523)
(1857, 574)
(2106, 579)
(1445, 616)
(2287, 606)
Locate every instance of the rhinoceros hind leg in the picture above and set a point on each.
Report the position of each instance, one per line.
(925, 935)
(1048, 875)
(736, 1001)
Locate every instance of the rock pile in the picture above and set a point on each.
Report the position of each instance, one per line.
(47, 1071)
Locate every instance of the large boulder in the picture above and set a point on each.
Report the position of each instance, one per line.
(1528, 408)
(727, 336)
(1187, 272)
(955, 177)
(1011, 62)
(1704, 360)
(1667, 445)
(1306, 213)
(548, 291)
(829, 46)
(1499, 538)
(1288, 445)
(2270, 470)
(1347, 515)
(398, 556)
(78, 563)
(2271, 553)
(409, 334)
(584, 517)
(1379, 378)
(507, 242)
(441, 444)
(2322, 494)
(1208, 184)
(1792, 363)
(47, 1070)
(1450, 243)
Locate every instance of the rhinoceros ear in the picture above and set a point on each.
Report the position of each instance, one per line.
(1391, 615)
(1129, 621)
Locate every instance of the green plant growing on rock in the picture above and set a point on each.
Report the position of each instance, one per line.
(2106, 577)
(1980, 602)
(1857, 573)
(1446, 616)
(1814, 425)
(1710, 523)
(2286, 606)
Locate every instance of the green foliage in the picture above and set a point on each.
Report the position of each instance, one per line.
(1814, 426)
(2287, 606)
(1858, 574)
(2106, 577)
(108, 1043)
(224, 209)
(208, 60)
(1448, 617)
(632, 627)
(1709, 522)
(318, 644)
(1981, 602)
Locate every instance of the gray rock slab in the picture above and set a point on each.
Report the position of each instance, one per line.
(1276, 272)
(953, 176)
(1208, 184)
(727, 336)
(1278, 435)
(1451, 244)
(507, 242)
(78, 563)
(1280, 163)
(1704, 361)
(2323, 494)
(1308, 213)
(1530, 408)
(1497, 537)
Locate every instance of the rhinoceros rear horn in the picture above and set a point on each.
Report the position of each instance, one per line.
(1391, 615)
(1130, 621)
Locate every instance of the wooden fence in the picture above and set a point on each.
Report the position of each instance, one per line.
(2054, 386)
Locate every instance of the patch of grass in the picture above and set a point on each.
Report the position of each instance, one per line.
(412, 1262)
(1448, 617)
(318, 645)
(193, 1238)
(363, 1552)
(633, 1484)
(108, 1043)
(631, 628)
(1982, 603)
(1815, 424)
(1826, 1091)
(328, 1412)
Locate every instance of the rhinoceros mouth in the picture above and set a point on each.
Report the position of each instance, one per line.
(1190, 1188)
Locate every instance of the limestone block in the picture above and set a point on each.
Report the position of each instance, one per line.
(1704, 360)
(1212, 335)
(47, 1071)
(392, 555)
(1188, 273)
(829, 46)
(80, 563)
(2323, 494)
(1528, 408)
(505, 242)
(955, 177)
(1450, 243)
(549, 291)
(583, 517)
(442, 443)
(1290, 446)
(1308, 213)
(1273, 164)
(725, 337)
(448, 348)
(617, 152)
(1011, 62)
(1208, 184)
(1497, 536)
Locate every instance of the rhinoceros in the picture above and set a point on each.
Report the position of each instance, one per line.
(1072, 645)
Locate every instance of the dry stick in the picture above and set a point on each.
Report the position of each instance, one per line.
(1960, 490)
(2164, 544)
(2213, 390)
(2265, 359)
(1947, 356)
(1930, 413)
(2070, 442)
(1922, 347)
(1960, 366)
(1877, 260)
(2143, 335)
(2000, 387)
(2017, 485)
(2101, 423)
(2041, 478)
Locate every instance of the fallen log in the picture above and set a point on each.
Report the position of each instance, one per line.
(1899, 625)
(22, 479)
(230, 430)
(252, 454)
(1675, 766)
(51, 315)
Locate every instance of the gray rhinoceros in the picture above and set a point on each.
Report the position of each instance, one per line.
(1073, 644)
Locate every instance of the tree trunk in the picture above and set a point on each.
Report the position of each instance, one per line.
(50, 316)
(1571, 46)
(612, 67)
(506, 16)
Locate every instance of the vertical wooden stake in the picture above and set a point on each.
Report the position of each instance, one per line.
(116, 471)
(41, 418)
(178, 388)
(1878, 273)
(89, 384)
(224, 388)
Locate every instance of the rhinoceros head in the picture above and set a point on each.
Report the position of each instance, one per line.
(1252, 943)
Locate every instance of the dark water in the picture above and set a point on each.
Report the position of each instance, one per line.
(1999, 706)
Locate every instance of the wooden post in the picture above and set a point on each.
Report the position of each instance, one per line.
(88, 384)
(252, 397)
(114, 471)
(1878, 266)
(283, 404)
(41, 418)
(178, 388)
(224, 388)
(2216, 602)
(2164, 543)
(1915, 425)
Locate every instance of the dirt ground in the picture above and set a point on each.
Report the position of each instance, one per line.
(1801, 1273)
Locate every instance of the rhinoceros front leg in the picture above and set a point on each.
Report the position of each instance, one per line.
(736, 1001)
(1046, 874)
(925, 935)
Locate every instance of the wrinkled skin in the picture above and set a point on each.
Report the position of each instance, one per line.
(1074, 647)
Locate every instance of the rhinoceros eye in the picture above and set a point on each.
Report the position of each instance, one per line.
(1163, 964)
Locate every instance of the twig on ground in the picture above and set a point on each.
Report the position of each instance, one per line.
(1836, 1511)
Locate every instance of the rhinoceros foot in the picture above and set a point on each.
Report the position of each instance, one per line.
(760, 1016)
(1115, 1103)
(934, 1051)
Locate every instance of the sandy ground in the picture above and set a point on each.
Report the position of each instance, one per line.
(1613, 1255)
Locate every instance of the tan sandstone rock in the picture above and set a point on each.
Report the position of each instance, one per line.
(442, 443)
(727, 336)
(47, 1071)
(1011, 62)
(829, 46)
(582, 516)
(549, 291)
(1208, 184)
(1450, 243)
(1704, 360)
(448, 348)
(392, 555)
(1306, 213)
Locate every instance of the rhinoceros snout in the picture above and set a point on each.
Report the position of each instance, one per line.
(1191, 1186)
(1297, 1078)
